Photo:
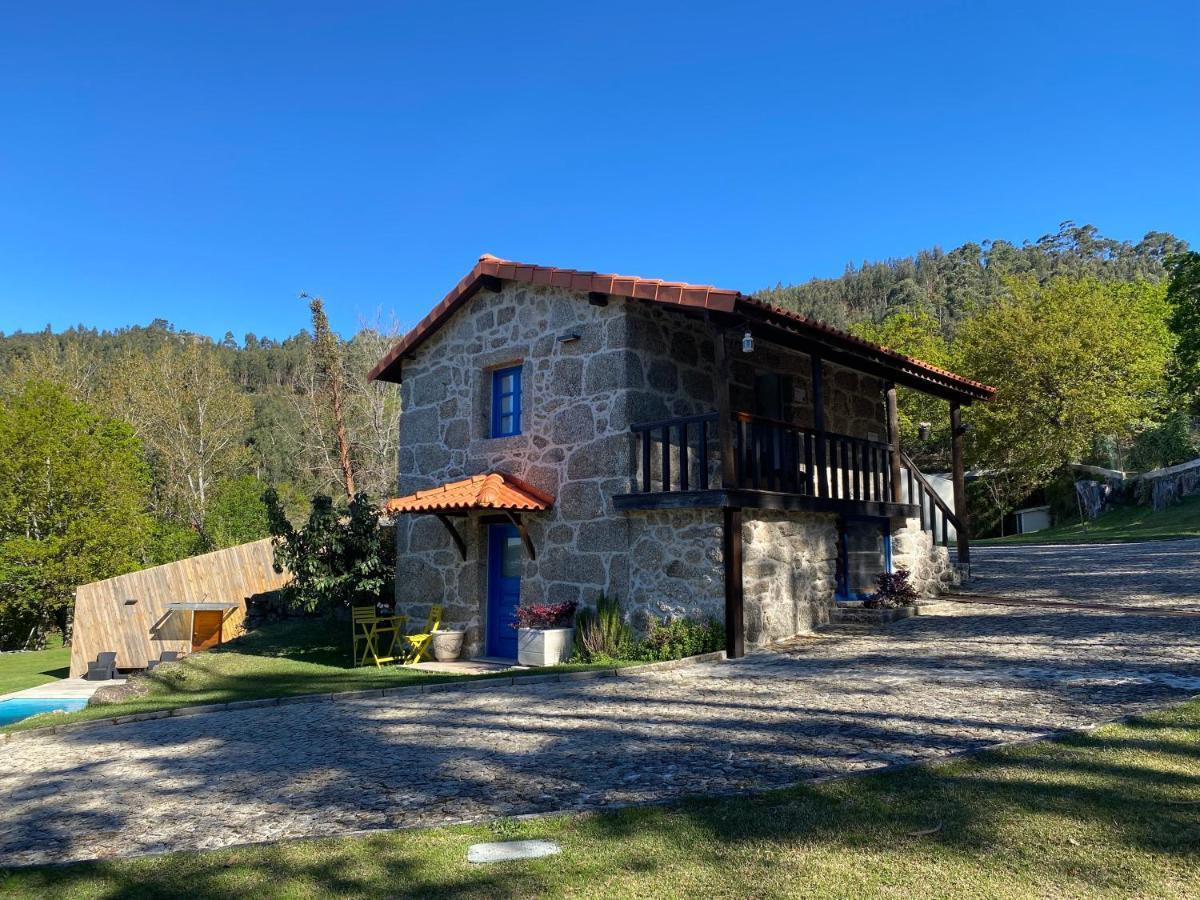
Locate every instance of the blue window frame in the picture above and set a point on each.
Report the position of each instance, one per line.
(506, 402)
(864, 544)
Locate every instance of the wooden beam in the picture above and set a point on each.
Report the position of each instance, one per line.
(458, 538)
(739, 498)
(818, 405)
(735, 627)
(724, 410)
(958, 473)
(515, 518)
(893, 425)
(887, 370)
(597, 299)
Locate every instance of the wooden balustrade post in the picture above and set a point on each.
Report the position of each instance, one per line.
(963, 529)
(724, 411)
(893, 426)
(818, 405)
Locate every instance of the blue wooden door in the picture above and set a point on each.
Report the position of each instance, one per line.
(504, 590)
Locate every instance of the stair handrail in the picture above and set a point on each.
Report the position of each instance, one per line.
(930, 490)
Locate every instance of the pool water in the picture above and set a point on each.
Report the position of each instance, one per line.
(16, 710)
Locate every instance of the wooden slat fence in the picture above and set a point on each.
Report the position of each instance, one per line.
(141, 631)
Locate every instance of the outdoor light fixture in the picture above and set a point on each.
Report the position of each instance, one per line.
(567, 338)
(747, 342)
(923, 430)
(131, 601)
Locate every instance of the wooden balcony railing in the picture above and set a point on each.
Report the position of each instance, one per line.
(778, 456)
(683, 454)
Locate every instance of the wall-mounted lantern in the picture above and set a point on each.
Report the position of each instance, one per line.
(747, 342)
(924, 429)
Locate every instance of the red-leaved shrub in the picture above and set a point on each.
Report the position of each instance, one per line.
(546, 615)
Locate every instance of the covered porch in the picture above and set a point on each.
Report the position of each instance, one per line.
(765, 447)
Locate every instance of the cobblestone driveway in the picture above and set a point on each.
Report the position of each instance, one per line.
(1152, 574)
(828, 705)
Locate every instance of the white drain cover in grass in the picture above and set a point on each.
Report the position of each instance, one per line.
(505, 851)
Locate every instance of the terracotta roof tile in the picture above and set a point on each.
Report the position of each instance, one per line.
(669, 293)
(494, 490)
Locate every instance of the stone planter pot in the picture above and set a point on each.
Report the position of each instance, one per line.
(447, 645)
(544, 646)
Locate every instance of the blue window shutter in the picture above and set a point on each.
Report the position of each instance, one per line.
(506, 402)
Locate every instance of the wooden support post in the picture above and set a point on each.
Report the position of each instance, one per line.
(724, 411)
(818, 405)
(893, 425)
(735, 637)
(960, 488)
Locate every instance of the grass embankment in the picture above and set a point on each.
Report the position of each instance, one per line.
(1113, 813)
(1129, 523)
(31, 668)
(278, 660)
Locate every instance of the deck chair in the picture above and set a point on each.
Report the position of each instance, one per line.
(104, 668)
(420, 646)
(371, 632)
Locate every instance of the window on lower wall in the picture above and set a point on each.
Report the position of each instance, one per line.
(864, 550)
(506, 402)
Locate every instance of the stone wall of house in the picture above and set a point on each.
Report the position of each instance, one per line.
(574, 444)
(676, 567)
(588, 372)
(928, 562)
(789, 572)
(682, 381)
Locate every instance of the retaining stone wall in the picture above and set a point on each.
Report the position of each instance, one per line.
(789, 570)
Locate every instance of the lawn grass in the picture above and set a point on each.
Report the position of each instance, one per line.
(30, 668)
(305, 656)
(1126, 523)
(1112, 813)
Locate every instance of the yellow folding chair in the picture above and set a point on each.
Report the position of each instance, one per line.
(368, 629)
(420, 646)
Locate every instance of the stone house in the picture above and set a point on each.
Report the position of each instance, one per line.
(686, 449)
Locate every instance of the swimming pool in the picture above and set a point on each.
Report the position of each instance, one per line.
(18, 709)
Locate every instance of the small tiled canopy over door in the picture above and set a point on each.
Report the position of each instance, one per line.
(206, 629)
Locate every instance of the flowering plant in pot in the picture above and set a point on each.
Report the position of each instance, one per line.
(545, 633)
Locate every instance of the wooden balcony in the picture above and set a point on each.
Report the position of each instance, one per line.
(776, 465)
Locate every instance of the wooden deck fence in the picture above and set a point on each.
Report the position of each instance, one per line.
(139, 631)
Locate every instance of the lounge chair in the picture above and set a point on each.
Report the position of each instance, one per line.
(104, 668)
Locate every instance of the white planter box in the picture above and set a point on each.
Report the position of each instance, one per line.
(544, 646)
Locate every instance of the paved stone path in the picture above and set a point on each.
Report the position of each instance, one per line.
(1152, 574)
(827, 705)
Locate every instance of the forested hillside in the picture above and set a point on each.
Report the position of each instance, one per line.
(949, 285)
(124, 449)
(1092, 343)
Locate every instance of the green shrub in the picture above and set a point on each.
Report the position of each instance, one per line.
(339, 558)
(601, 634)
(677, 638)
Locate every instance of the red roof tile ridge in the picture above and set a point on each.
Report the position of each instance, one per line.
(491, 490)
(672, 293)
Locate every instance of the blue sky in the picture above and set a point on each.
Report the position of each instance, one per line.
(207, 162)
